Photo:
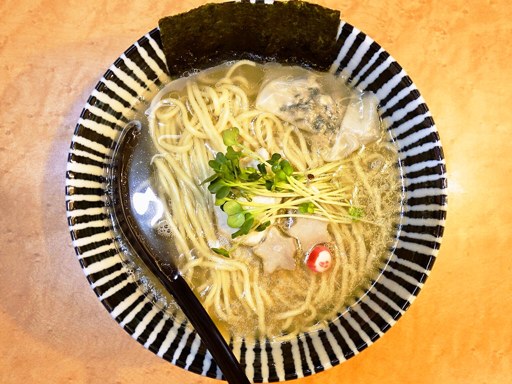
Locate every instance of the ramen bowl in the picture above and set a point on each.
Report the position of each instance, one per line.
(122, 287)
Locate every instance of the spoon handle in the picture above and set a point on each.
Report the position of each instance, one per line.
(176, 285)
(167, 273)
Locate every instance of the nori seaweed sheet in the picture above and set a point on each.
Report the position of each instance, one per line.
(293, 32)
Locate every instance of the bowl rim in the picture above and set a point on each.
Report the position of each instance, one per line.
(367, 66)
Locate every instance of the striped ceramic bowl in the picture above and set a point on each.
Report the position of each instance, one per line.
(140, 71)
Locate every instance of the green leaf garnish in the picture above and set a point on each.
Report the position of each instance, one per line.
(222, 192)
(355, 212)
(236, 220)
(232, 207)
(210, 179)
(263, 226)
(230, 136)
(299, 193)
(307, 207)
(274, 159)
(232, 155)
(220, 202)
(245, 228)
(221, 251)
(286, 167)
(215, 185)
(280, 176)
(254, 177)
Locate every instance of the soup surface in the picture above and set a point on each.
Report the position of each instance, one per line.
(275, 189)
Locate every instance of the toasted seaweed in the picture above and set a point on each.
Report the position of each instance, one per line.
(293, 32)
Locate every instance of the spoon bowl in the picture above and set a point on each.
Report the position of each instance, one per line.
(166, 272)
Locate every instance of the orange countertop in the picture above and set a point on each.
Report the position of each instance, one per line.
(53, 329)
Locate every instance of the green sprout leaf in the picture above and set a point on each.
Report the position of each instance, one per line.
(210, 179)
(262, 168)
(263, 226)
(281, 176)
(221, 251)
(220, 202)
(307, 207)
(236, 220)
(222, 192)
(215, 186)
(286, 167)
(274, 159)
(355, 212)
(232, 207)
(230, 136)
(245, 228)
(254, 177)
(232, 155)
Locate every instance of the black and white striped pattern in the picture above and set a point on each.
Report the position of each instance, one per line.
(140, 70)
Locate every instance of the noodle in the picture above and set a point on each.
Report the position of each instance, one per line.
(186, 128)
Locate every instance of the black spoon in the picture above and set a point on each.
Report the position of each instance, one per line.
(167, 273)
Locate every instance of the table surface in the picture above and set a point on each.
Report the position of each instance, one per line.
(54, 329)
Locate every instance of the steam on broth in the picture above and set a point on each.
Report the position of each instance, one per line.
(256, 169)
